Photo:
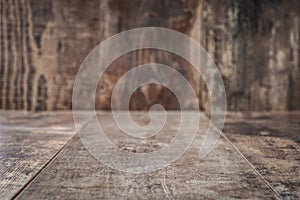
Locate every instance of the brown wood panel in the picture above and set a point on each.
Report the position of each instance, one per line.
(254, 43)
(256, 47)
(27, 142)
(76, 174)
(177, 15)
(42, 45)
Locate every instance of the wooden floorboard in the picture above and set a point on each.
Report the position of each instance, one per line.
(42, 158)
(270, 141)
(75, 174)
(28, 141)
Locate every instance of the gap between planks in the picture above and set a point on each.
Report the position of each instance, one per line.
(251, 165)
(42, 168)
(23, 188)
(48, 163)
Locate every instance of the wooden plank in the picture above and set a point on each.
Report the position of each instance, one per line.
(75, 174)
(248, 43)
(270, 141)
(255, 44)
(42, 45)
(27, 142)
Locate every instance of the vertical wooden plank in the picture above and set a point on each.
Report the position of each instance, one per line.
(42, 46)
(254, 43)
(177, 15)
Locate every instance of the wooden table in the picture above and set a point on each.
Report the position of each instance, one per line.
(257, 157)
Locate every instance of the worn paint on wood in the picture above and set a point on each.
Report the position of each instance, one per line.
(254, 43)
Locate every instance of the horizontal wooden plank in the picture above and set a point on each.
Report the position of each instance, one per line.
(75, 174)
(27, 142)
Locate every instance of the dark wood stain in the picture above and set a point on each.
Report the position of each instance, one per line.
(254, 43)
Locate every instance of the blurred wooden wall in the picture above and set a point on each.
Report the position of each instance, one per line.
(255, 44)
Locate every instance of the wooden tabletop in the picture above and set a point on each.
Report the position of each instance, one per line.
(256, 157)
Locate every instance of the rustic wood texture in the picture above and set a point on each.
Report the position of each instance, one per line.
(177, 15)
(27, 142)
(271, 143)
(254, 43)
(267, 142)
(256, 46)
(76, 174)
(42, 46)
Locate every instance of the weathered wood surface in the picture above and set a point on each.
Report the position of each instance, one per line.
(254, 43)
(269, 142)
(28, 141)
(76, 174)
(256, 47)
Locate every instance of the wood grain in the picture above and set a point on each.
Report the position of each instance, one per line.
(42, 45)
(270, 141)
(76, 174)
(254, 43)
(256, 47)
(27, 142)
